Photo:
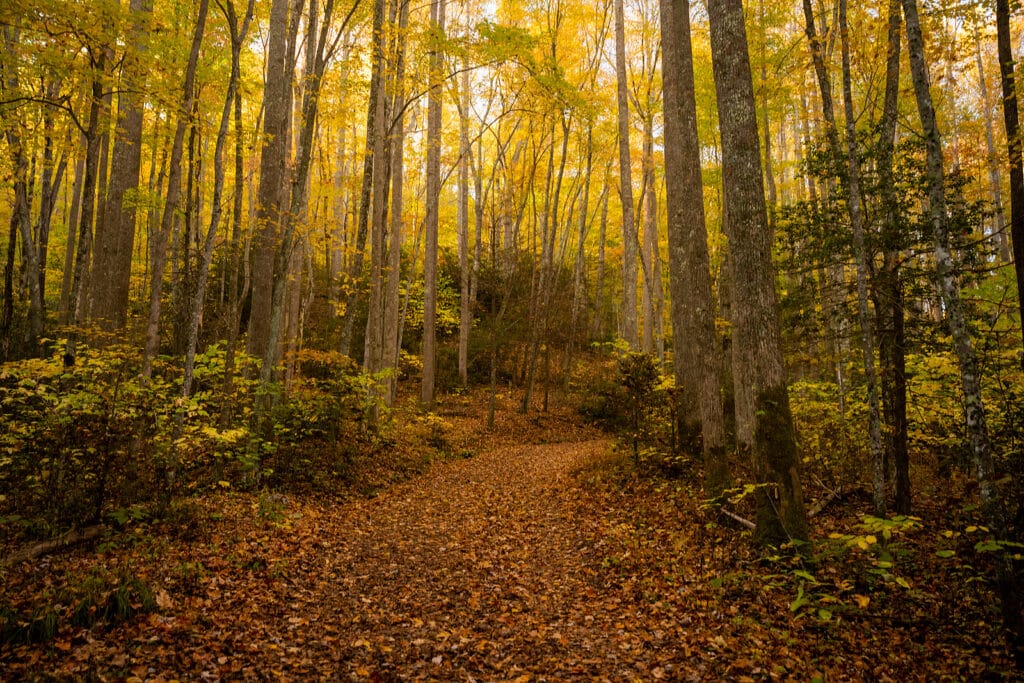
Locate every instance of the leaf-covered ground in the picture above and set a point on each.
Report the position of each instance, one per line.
(538, 558)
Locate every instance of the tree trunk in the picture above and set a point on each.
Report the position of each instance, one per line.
(433, 198)
(277, 100)
(630, 331)
(392, 302)
(891, 342)
(992, 503)
(89, 184)
(861, 257)
(159, 247)
(465, 151)
(115, 237)
(693, 310)
(991, 158)
(1011, 120)
(781, 513)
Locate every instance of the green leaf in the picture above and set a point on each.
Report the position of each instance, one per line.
(945, 554)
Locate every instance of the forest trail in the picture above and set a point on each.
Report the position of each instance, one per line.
(491, 567)
(483, 568)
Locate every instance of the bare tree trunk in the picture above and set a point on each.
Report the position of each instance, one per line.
(115, 237)
(277, 100)
(992, 159)
(630, 329)
(693, 310)
(434, 99)
(781, 514)
(159, 248)
(993, 506)
(392, 303)
(1014, 145)
(373, 343)
(89, 184)
(465, 311)
(891, 342)
(861, 257)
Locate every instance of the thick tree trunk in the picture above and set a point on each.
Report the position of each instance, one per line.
(781, 513)
(693, 311)
(277, 100)
(115, 237)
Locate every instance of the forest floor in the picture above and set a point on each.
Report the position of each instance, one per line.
(540, 556)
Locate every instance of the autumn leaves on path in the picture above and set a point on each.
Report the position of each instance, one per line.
(480, 568)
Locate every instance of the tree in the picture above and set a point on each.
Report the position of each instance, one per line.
(693, 313)
(1014, 154)
(433, 197)
(277, 102)
(115, 237)
(630, 330)
(781, 515)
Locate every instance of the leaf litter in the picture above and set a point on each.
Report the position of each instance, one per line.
(540, 558)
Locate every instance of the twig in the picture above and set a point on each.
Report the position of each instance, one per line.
(736, 518)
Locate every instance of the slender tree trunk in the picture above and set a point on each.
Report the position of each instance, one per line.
(462, 219)
(159, 247)
(992, 503)
(630, 329)
(891, 343)
(1011, 119)
(693, 311)
(392, 303)
(434, 100)
(781, 514)
(992, 158)
(89, 183)
(861, 257)
(373, 344)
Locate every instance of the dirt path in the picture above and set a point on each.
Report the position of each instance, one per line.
(486, 568)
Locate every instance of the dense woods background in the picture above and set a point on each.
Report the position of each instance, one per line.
(777, 245)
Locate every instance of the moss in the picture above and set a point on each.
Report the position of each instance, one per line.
(781, 515)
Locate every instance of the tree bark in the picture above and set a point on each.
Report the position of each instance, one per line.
(277, 100)
(115, 237)
(433, 197)
(630, 330)
(693, 311)
(781, 514)
(1011, 119)
(860, 254)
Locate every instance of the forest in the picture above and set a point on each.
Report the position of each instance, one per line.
(511, 340)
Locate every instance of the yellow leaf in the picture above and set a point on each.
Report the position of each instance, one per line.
(862, 601)
(224, 484)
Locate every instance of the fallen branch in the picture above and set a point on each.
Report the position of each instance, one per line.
(743, 521)
(825, 502)
(69, 539)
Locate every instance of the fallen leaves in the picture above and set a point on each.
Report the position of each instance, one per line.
(508, 566)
